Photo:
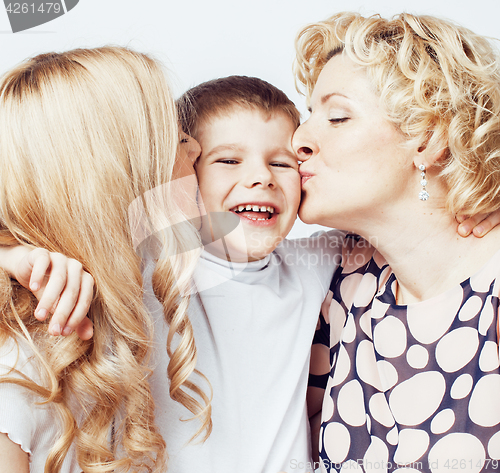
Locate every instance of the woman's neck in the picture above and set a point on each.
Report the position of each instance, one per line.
(424, 250)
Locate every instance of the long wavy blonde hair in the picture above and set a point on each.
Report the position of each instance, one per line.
(84, 133)
(439, 83)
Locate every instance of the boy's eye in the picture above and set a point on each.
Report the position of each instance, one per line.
(281, 165)
(227, 161)
(294, 166)
(183, 140)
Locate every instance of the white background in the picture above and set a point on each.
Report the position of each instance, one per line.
(199, 40)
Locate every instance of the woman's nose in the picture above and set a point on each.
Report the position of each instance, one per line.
(194, 150)
(302, 143)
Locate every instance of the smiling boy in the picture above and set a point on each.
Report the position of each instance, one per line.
(259, 295)
(247, 167)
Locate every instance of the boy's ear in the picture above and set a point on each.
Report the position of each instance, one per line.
(432, 151)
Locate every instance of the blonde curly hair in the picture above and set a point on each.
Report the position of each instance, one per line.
(439, 83)
(85, 133)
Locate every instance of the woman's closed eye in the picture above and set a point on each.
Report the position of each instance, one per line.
(338, 120)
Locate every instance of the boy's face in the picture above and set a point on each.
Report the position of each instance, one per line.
(248, 167)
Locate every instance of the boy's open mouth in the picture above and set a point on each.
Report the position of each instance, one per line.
(254, 211)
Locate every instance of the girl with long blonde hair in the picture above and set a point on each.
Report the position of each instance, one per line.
(84, 134)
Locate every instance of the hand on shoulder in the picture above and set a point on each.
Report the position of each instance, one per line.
(63, 288)
(477, 225)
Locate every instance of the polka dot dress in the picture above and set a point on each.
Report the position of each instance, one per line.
(412, 388)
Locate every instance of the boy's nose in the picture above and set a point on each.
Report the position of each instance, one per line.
(261, 177)
(302, 143)
(264, 183)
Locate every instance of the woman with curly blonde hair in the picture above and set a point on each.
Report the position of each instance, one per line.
(86, 133)
(404, 134)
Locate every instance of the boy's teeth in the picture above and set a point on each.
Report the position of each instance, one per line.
(254, 208)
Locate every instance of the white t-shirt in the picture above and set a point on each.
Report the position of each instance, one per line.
(34, 427)
(253, 325)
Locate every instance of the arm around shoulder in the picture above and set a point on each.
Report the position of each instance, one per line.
(60, 283)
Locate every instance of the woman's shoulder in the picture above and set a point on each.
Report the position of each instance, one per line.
(27, 422)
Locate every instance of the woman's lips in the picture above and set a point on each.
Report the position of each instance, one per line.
(305, 176)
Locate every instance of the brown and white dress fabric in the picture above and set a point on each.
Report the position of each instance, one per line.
(412, 388)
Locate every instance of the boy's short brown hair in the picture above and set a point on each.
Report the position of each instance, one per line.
(219, 96)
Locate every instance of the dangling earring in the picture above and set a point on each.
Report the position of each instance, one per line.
(423, 194)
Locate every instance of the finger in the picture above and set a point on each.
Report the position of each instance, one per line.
(85, 330)
(68, 297)
(53, 287)
(38, 263)
(491, 221)
(466, 227)
(460, 218)
(81, 308)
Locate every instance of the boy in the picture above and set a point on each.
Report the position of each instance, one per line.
(255, 319)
